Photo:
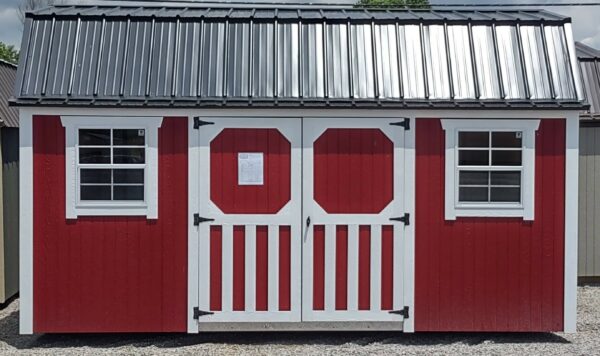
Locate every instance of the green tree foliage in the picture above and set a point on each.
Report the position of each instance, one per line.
(413, 4)
(9, 53)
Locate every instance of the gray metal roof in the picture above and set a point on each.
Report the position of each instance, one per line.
(8, 115)
(198, 56)
(589, 63)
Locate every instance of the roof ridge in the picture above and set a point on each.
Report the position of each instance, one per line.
(177, 4)
(3, 61)
(586, 52)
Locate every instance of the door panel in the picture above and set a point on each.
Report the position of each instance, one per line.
(250, 185)
(352, 251)
(310, 238)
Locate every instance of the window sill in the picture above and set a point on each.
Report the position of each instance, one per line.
(505, 212)
(112, 210)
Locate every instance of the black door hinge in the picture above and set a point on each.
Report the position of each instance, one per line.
(198, 313)
(403, 312)
(404, 123)
(199, 219)
(198, 122)
(405, 219)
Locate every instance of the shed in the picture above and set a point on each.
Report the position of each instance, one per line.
(589, 163)
(9, 176)
(187, 169)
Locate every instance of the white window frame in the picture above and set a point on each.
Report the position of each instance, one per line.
(74, 206)
(524, 209)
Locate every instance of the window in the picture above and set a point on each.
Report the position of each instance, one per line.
(114, 166)
(489, 167)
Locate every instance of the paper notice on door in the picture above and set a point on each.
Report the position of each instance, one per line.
(250, 168)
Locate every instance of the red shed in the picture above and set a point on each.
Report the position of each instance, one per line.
(297, 168)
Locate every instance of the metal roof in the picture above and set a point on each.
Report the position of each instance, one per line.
(303, 56)
(8, 73)
(589, 63)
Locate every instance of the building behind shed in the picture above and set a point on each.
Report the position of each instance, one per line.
(9, 138)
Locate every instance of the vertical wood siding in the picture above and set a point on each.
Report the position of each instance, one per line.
(489, 274)
(589, 202)
(117, 274)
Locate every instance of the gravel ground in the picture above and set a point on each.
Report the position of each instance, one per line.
(585, 342)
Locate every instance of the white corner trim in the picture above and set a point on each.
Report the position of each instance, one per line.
(193, 292)
(409, 230)
(25, 222)
(571, 222)
(526, 209)
(74, 207)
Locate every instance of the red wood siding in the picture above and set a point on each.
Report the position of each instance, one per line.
(489, 274)
(227, 193)
(109, 274)
(353, 171)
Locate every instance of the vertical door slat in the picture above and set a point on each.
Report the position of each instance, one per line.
(375, 267)
(273, 245)
(352, 267)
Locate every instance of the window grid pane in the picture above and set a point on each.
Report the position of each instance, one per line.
(504, 153)
(129, 168)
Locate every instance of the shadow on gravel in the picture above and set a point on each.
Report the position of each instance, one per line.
(9, 333)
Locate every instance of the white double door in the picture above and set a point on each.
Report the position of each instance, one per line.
(300, 219)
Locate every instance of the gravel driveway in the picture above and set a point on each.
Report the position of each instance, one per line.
(585, 342)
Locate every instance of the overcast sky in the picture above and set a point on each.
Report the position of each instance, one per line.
(586, 20)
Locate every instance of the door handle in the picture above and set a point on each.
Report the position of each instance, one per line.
(307, 226)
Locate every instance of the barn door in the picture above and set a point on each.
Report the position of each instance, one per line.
(249, 219)
(353, 219)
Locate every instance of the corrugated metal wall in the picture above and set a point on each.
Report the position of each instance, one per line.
(589, 201)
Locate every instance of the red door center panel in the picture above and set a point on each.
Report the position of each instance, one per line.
(353, 170)
(233, 154)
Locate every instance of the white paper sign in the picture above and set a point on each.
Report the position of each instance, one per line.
(250, 168)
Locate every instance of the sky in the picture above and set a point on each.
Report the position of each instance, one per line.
(586, 20)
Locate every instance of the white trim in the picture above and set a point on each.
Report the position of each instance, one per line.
(252, 113)
(571, 222)
(524, 209)
(25, 222)
(303, 326)
(196, 265)
(75, 207)
(408, 266)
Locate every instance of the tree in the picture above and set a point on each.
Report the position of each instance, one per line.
(9, 53)
(413, 4)
(30, 5)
